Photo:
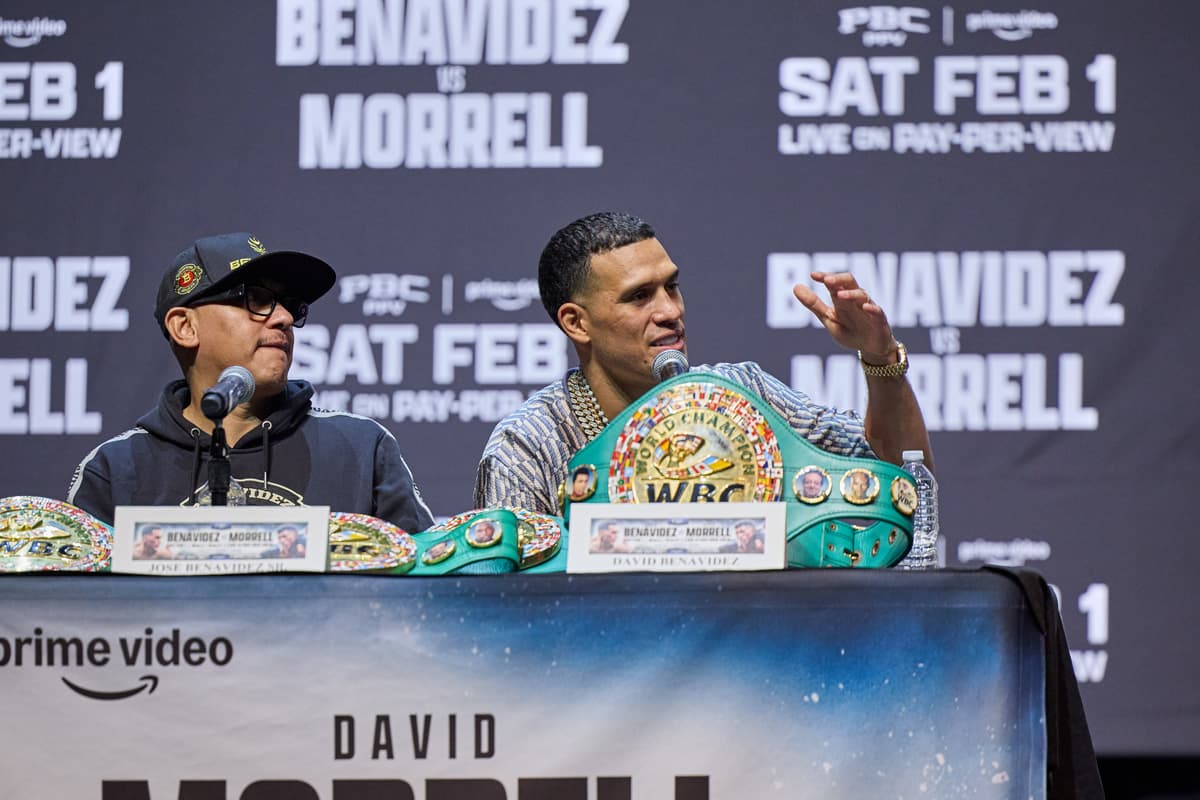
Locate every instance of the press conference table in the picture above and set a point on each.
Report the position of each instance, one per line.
(816, 683)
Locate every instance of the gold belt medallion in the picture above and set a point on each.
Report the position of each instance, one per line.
(358, 542)
(696, 442)
(538, 535)
(38, 534)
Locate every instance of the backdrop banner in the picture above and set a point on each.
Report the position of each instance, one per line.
(1014, 184)
(818, 685)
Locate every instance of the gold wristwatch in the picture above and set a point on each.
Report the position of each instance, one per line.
(896, 370)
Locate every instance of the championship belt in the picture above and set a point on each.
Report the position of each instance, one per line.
(38, 534)
(481, 541)
(362, 543)
(698, 437)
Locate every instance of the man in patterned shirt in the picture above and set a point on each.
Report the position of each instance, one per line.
(613, 290)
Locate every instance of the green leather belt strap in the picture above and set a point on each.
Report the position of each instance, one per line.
(488, 541)
(841, 511)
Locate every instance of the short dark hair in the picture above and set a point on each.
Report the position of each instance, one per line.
(566, 260)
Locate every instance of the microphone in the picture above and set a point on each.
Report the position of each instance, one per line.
(668, 364)
(236, 385)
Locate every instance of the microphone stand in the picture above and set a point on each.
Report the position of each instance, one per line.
(235, 385)
(218, 466)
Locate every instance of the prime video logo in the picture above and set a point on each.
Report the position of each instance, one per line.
(28, 32)
(503, 295)
(1014, 553)
(43, 649)
(1011, 27)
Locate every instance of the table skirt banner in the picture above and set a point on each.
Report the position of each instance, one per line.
(600, 687)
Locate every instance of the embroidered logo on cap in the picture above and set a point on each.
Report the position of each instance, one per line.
(256, 246)
(187, 278)
(238, 262)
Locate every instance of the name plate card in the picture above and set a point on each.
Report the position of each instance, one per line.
(220, 540)
(677, 537)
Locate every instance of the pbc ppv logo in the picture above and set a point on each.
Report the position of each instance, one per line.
(28, 32)
(383, 293)
(883, 26)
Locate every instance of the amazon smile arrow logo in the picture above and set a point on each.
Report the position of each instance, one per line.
(150, 681)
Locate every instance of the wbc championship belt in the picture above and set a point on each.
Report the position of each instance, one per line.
(698, 437)
(480, 541)
(38, 534)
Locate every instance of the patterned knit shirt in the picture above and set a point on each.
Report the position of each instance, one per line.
(526, 457)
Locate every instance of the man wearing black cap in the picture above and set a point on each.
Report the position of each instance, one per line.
(226, 301)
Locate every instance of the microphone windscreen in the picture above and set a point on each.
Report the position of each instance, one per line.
(668, 364)
(242, 374)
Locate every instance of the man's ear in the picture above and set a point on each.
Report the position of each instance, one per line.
(573, 319)
(181, 327)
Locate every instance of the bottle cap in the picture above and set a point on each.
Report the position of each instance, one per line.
(913, 455)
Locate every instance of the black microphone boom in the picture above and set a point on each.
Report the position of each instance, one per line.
(668, 364)
(236, 385)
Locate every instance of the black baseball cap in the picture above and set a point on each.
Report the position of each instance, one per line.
(216, 263)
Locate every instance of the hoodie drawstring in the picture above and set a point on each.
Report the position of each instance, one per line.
(266, 429)
(195, 434)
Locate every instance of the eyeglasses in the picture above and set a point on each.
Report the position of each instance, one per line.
(260, 302)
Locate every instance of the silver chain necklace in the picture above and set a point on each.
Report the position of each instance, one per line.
(585, 406)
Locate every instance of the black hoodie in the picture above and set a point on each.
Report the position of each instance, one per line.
(164, 461)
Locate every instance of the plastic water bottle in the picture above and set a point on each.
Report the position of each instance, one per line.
(923, 554)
